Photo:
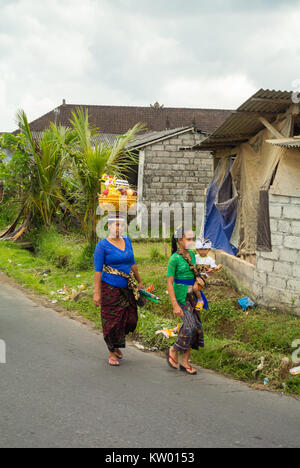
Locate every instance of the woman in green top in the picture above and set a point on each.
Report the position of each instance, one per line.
(181, 280)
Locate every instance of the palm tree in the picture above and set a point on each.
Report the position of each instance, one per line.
(49, 158)
(92, 160)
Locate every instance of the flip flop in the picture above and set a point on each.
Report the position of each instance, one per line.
(119, 356)
(168, 356)
(113, 362)
(186, 370)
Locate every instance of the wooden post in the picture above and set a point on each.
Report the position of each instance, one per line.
(271, 128)
(164, 233)
(140, 187)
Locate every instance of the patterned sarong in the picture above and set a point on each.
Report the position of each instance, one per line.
(191, 333)
(119, 315)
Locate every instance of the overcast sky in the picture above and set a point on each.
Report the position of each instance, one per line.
(135, 52)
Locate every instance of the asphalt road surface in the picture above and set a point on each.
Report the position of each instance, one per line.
(58, 391)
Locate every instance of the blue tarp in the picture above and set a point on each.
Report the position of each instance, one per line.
(221, 209)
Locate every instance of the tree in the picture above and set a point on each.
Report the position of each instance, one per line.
(91, 160)
(48, 159)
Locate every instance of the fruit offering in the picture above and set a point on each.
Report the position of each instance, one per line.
(117, 193)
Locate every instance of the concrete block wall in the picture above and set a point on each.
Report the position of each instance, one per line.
(172, 174)
(277, 282)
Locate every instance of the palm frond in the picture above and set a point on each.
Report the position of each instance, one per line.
(23, 125)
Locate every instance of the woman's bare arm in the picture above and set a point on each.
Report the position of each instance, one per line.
(137, 276)
(176, 308)
(97, 289)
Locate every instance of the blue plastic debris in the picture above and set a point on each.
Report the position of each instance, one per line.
(246, 303)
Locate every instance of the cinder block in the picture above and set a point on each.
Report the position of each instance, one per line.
(282, 200)
(295, 227)
(274, 225)
(283, 269)
(261, 277)
(153, 166)
(294, 285)
(169, 148)
(288, 255)
(284, 226)
(276, 281)
(273, 294)
(265, 265)
(295, 201)
(274, 255)
(296, 271)
(277, 240)
(156, 147)
(189, 154)
(275, 211)
(292, 242)
(257, 290)
(291, 212)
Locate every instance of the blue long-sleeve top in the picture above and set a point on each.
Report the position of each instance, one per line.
(107, 254)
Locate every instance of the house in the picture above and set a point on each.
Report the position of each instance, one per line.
(168, 175)
(166, 172)
(253, 201)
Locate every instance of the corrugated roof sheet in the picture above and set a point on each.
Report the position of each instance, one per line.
(243, 123)
(286, 142)
(151, 137)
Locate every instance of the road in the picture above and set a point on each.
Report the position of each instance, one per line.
(58, 391)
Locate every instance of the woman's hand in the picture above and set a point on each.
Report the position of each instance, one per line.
(178, 312)
(141, 285)
(97, 299)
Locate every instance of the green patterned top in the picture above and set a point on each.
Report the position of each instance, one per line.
(180, 270)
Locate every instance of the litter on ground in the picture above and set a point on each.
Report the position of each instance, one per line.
(295, 371)
(246, 303)
(169, 333)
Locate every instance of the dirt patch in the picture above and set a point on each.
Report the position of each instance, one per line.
(219, 288)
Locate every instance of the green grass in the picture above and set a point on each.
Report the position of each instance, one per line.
(235, 340)
(7, 215)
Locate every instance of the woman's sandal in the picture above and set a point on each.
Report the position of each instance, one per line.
(113, 362)
(188, 370)
(119, 356)
(169, 358)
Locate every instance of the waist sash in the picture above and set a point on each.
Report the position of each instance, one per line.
(191, 282)
(188, 282)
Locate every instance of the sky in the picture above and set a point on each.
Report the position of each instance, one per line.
(182, 53)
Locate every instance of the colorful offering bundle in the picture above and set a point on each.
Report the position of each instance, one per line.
(117, 193)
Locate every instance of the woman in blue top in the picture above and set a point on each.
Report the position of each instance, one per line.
(118, 304)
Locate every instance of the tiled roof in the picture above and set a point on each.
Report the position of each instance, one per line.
(103, 137)
(142, 140)
(118, 120)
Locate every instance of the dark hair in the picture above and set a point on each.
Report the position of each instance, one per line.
(178, 234)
